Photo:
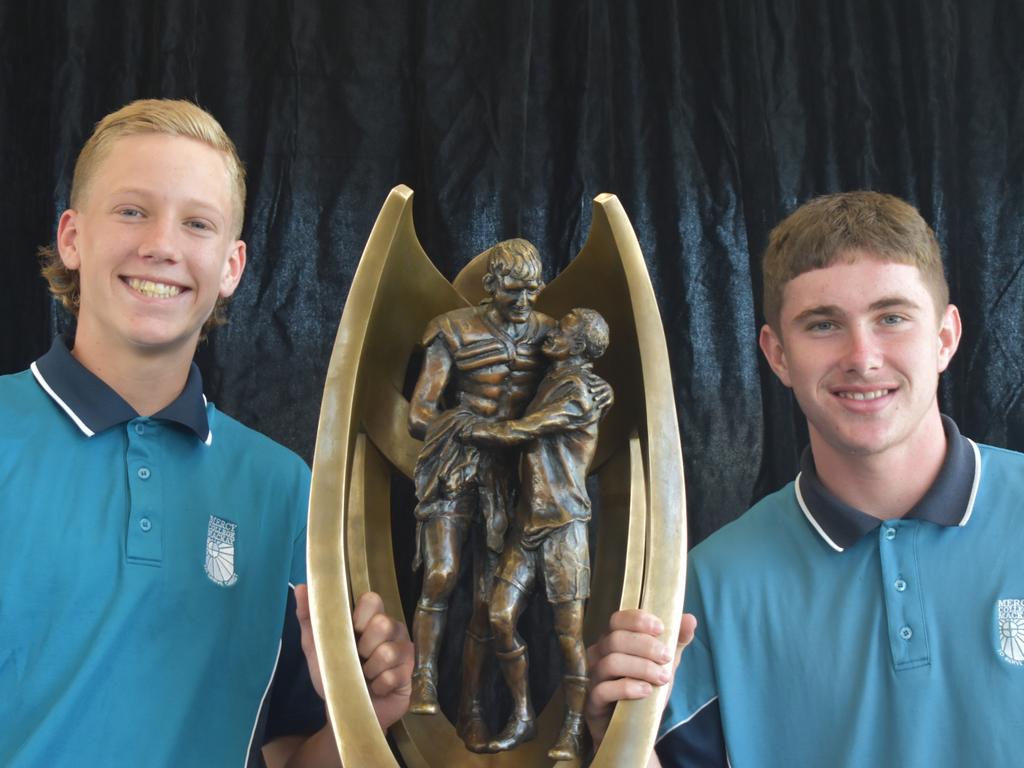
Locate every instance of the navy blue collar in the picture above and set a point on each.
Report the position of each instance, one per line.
(948, 502)
(95, 407)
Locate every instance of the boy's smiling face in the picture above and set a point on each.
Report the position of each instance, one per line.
(153, 242)
(862, 344)
(563, 341)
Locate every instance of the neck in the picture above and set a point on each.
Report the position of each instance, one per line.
(888, 484)
(148, 381)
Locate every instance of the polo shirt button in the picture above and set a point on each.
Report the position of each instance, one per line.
(140, 429)
(890, 533)
(143, 473)
(145, 524)
(900, 585)
(906, 633)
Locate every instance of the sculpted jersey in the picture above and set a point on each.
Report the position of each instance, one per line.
(494, 376)
(561, 427)
(494, 373)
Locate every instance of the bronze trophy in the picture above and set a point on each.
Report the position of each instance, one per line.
(507, 405)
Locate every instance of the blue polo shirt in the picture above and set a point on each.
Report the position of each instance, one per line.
(145, 565)
(829, 638)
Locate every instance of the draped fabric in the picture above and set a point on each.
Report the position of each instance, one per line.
(709, 120)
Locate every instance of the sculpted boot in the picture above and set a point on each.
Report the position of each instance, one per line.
(427, 626)
(522, 725)
(569, 745)
(471, 726)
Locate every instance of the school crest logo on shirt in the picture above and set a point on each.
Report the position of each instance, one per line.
(1010, 615)
(220, 552)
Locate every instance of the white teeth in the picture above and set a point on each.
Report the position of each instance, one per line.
(864, 395)
(154, 290)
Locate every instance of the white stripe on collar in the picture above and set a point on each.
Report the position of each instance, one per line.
(67, 408)
(78, 421)
(810, 517)
(209, 430)
(974, 485)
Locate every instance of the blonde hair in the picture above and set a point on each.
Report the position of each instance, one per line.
(825, 230)
(168, 117)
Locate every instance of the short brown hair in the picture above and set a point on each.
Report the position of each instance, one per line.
(145, 116)
(592, 330)
(824, 231)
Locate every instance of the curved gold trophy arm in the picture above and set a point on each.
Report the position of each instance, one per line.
(390, 301)
(363, 439)
(645, 382)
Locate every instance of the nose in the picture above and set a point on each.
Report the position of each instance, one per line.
(863, 352)
(159, 240)
(522, 300)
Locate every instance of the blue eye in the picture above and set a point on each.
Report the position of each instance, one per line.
(892, 320)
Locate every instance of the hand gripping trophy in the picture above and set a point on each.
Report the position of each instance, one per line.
(491, 354)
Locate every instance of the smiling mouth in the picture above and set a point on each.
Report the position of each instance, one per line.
(153, 290)
(873, 395)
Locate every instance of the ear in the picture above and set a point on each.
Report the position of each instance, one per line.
(774, 353)
(490, 283)
(234, 265)
(67, 239)
(949, 336)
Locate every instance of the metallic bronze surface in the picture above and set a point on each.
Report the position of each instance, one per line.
(641, 539)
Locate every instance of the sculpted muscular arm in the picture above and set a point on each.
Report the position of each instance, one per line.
(426, 397)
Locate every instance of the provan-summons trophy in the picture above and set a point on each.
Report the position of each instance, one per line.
(474, 500)
(498, 437)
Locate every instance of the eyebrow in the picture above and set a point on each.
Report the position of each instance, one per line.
(831, 310)
(148, 193)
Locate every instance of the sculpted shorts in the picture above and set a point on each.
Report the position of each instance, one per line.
(564, 556)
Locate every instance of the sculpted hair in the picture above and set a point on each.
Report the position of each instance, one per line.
(825, 230)
(517, 259)
(593, 329)
(146, 116)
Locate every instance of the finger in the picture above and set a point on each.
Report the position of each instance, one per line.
(389, 669)
(393, 682)
(368, 605)
(380, 629)
(622, 665)
(687, 629)
(604, 695)
(636, 620)
(630, 644)
(392, 654)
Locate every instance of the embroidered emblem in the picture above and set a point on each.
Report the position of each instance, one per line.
(220, 552)
(1011, 630)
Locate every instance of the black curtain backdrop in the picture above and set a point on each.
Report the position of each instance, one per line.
(710, 120)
